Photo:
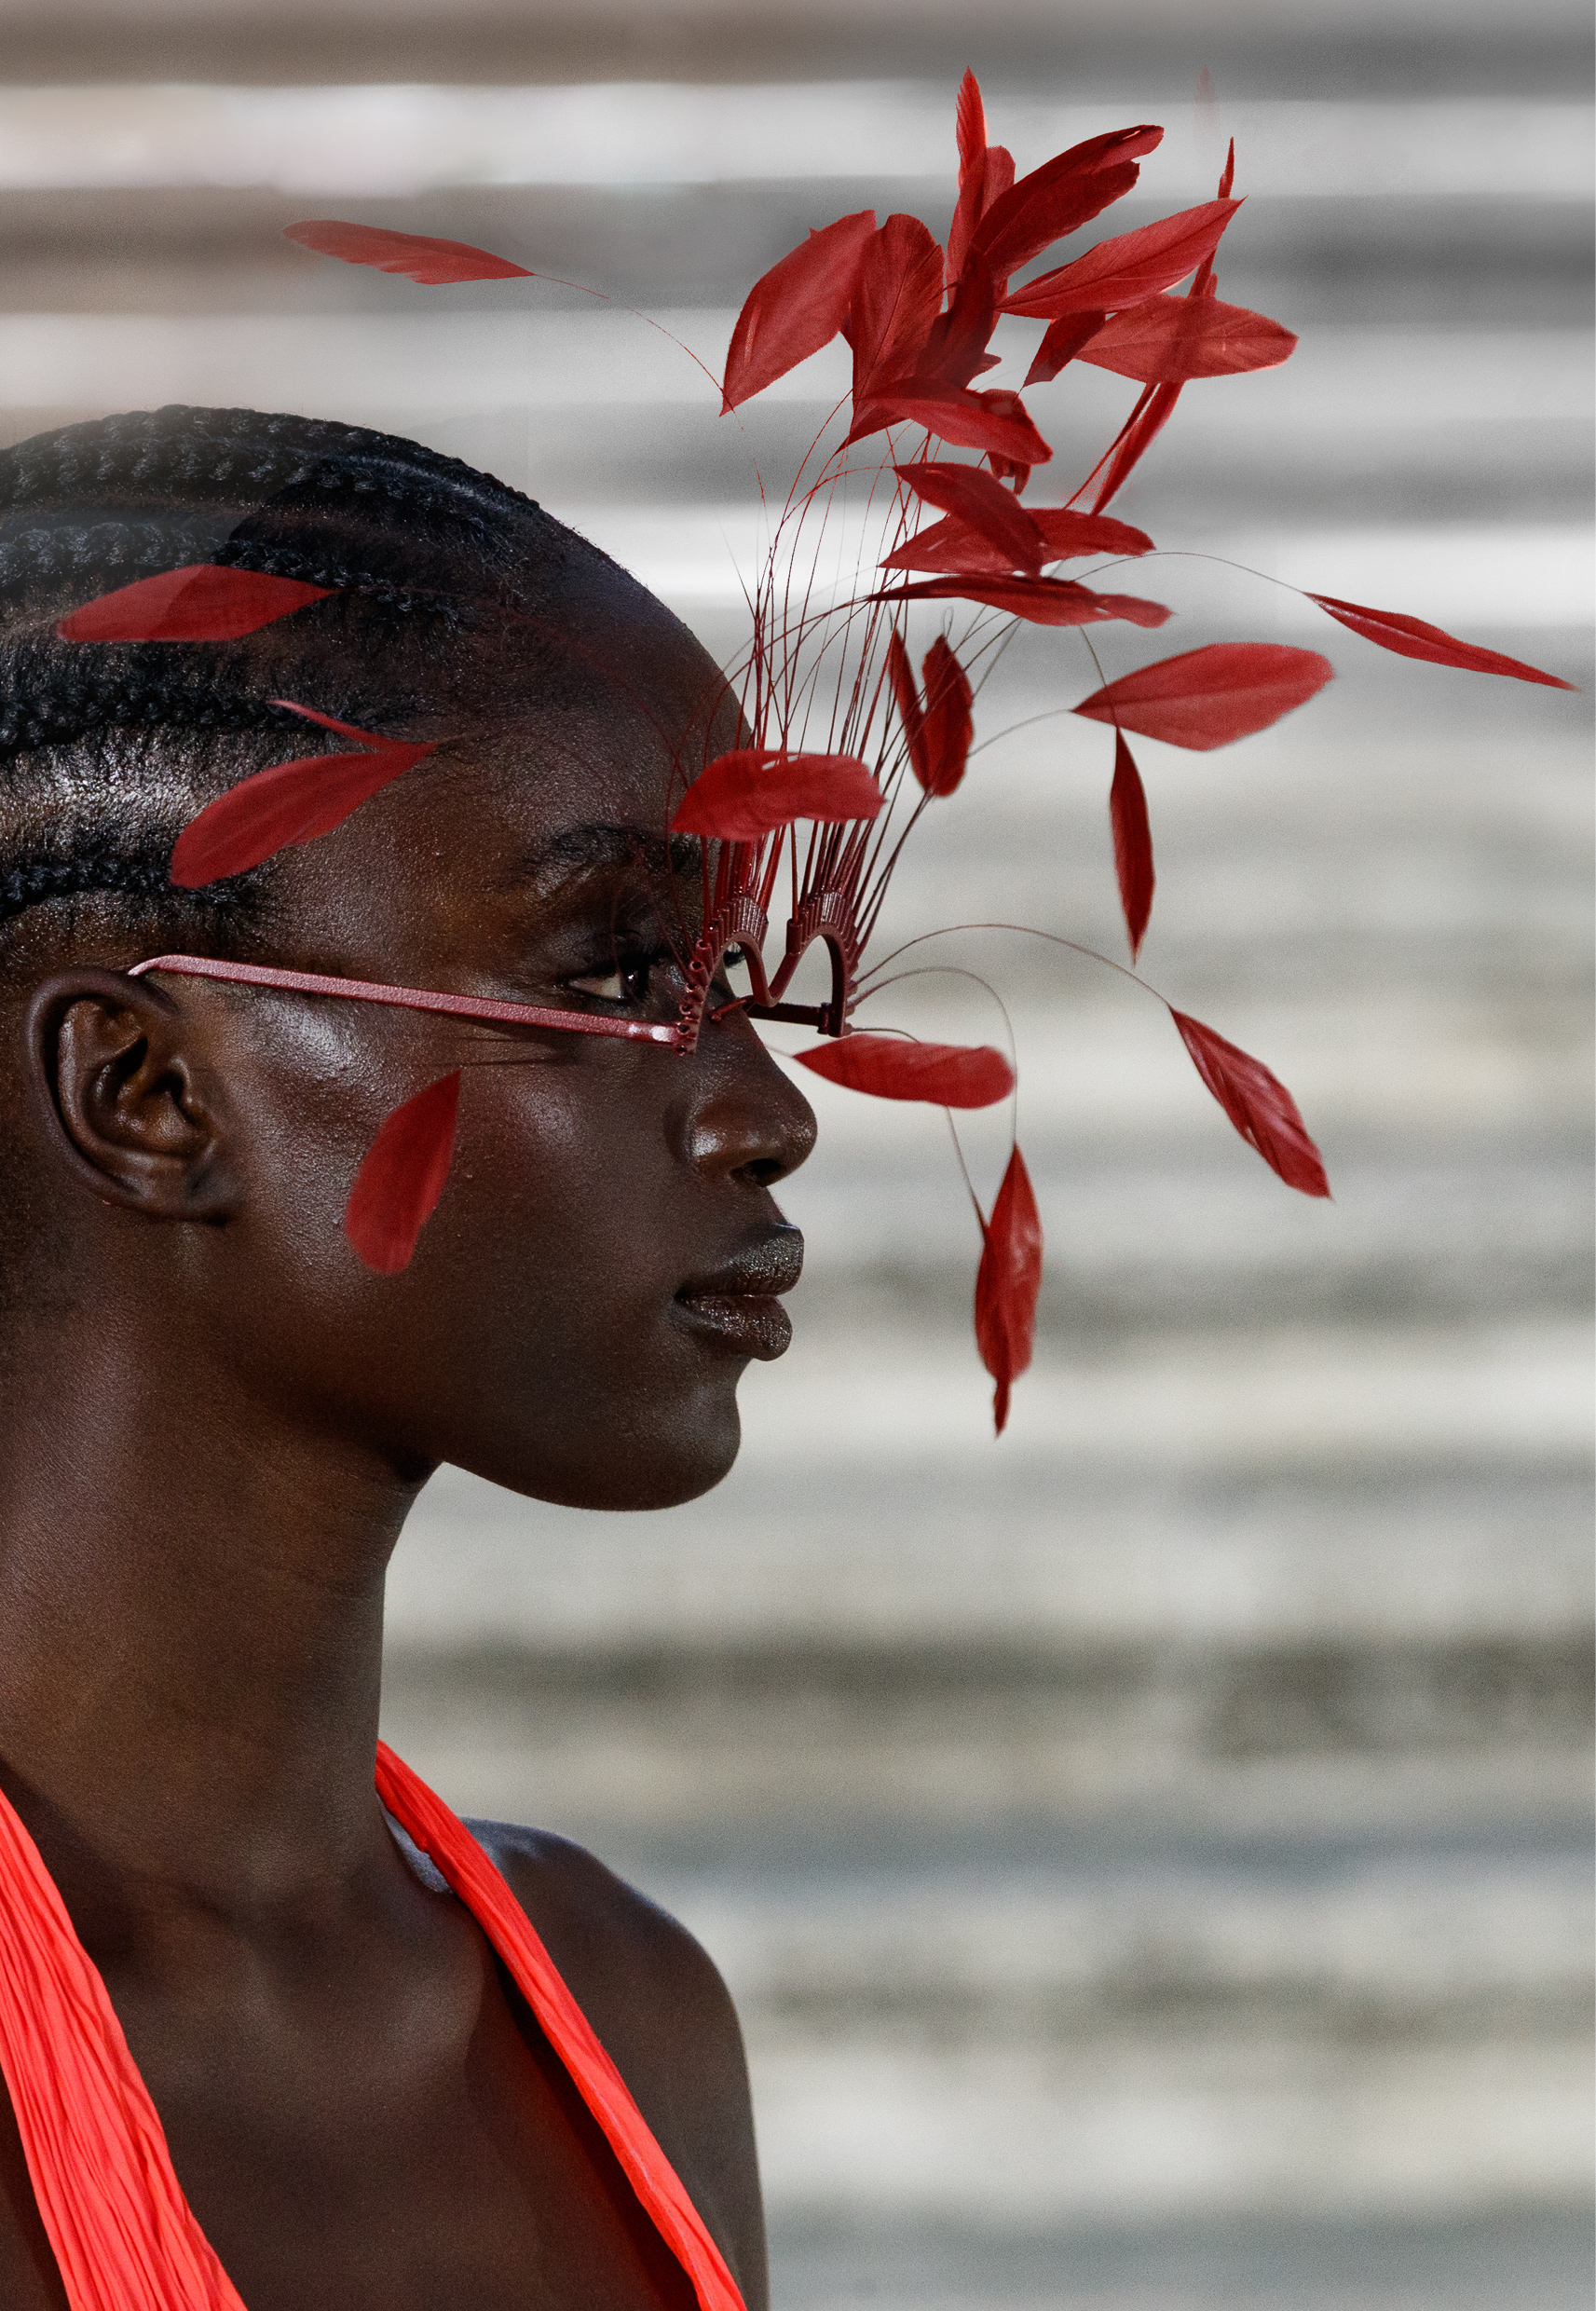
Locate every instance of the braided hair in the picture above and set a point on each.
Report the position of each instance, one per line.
(106, 749)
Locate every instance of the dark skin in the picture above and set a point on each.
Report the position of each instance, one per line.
(215, 1422)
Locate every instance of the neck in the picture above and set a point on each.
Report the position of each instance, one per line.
(191, 1598)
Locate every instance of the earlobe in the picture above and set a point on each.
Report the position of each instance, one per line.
(118, 1086)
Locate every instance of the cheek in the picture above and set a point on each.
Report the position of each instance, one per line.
(531, 1339)
(573, 1224)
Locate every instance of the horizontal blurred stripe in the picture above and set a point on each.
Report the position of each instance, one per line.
(1403, 385)
(385, 140)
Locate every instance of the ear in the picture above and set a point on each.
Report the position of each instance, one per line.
(119, 1081)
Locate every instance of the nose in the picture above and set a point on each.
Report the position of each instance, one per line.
(744, 1119)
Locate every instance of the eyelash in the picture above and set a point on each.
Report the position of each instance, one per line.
(638, 964)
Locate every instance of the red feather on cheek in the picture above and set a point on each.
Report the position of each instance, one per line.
(397, 1188)
(1007, 1284)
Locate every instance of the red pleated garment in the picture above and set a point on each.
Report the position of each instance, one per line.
(124, 2235)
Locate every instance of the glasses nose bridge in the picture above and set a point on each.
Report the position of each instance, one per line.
(739, 921)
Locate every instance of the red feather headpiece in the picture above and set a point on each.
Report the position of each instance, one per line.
(920, 319)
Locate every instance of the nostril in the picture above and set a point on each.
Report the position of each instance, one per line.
(764, 1171)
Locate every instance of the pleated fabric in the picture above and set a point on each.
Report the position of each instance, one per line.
(123, 2235)
(445, 1837)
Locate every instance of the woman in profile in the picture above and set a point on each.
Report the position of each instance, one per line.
(334, 2088)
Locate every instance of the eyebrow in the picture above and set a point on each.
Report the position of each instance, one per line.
(594, 845)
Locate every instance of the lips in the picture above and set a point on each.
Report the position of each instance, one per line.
(738, 1305)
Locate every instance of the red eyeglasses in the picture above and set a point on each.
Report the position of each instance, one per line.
(737, 924)
(825, 904)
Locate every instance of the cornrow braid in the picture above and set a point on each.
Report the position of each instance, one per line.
(107, 748)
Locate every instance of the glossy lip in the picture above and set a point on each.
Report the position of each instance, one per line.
(738, 1303)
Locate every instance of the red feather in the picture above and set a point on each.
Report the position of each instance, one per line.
(1043, 601)
(1068, 533)
(397, 1188)
(1065, 192)
(1059, 346)
(1146, 422)
(970, 128)
(910, 713)
(1205, 698)
(1133, 842)
(1156, 405)
(797, 307)
(1000, 179)
(955, 348)
(984, 504)
(950, 545)
(950, 718)
(1008, 470)
(415, 254)
(753, 790)
(1410, 638)
(1258, 1104)
(896, 296)
(291, 803)
(993, 420)
(203, 602)
(938, 732)
(1170, 340)
(943, 1074)
(1129, 267)
(1007, 1284)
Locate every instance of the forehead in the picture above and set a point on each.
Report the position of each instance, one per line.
(560, 759)
(603, 712)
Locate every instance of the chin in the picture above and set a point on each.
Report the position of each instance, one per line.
(646, 1458)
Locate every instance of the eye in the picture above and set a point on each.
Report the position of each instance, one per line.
(628, 982)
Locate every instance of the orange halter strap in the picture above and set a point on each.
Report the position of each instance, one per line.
(124, 2235)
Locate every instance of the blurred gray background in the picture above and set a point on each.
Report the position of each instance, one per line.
(1150, 1853)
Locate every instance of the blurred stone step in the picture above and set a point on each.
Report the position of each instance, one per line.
(1137, 2134)
(834, 1566)
(1356, 1948)
(1534, 2258)
(1343, 51)
(692, 1751)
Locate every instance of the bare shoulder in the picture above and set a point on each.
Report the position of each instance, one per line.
(660, 2010)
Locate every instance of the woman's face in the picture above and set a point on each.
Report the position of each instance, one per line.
(608, 1255)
